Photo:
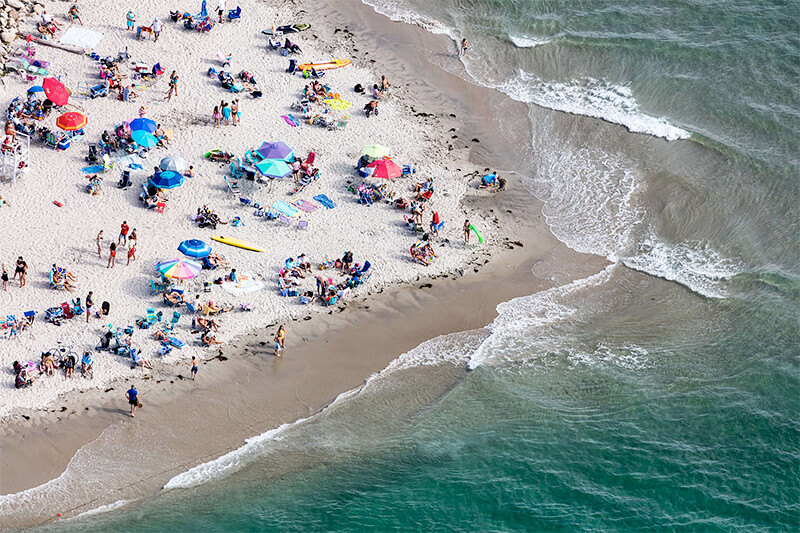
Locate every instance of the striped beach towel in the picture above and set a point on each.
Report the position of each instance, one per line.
(286, 209)
(306, 206)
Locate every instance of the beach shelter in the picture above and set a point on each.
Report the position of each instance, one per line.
(175, 163)
(194, 248)
(143, 124)
(167, 179)
(143, 138)
(277, 150)
(274, 168)
(179, 269)
(71, 121)
(56, 91)
(375, 151)
(385, 168)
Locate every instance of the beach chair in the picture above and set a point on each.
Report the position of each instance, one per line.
(236, 172)
(52, 140)
(66, 310)
(302, 224)
(192, 309)
(176, 316)
(108, 164)
(151, 316)
(286, 221)
(225, 60)
(54, 315)
(157, 288)
(235, 14)
(53, 284)
(276, 44)
(77, 308)
(232, 185)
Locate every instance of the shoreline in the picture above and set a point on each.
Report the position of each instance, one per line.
(506, 274)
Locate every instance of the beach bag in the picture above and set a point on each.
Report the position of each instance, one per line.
(105, 308)
(292, 292)
(284, 292)
(359, 88)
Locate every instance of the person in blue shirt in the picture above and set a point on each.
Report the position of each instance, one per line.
(133, 398)
(86, 364)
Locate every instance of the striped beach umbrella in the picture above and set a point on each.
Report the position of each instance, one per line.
(194, 248)
(179, 269)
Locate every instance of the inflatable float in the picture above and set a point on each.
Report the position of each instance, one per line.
(336, 63)
(474, 230)
(237, 243)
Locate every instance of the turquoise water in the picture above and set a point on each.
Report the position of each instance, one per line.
(660, 394)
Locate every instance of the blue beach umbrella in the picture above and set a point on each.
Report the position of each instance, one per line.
(194, 248)
(276, 151)
(143, 138)
(143, 124)
(274, 168)
(36, 89)
(167, 179)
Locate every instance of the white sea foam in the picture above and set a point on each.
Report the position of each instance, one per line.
(591, 98)
(693, 264)
(524, 324)
(392, 10)
(527, 42)
(101, 510)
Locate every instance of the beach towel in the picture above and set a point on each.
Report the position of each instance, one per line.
(81, 37)
(289, 121)
(338, 104)
(128, 161)
(294, 120)
(284, 208)
(324, 200)
(92, 170)
(303, 205)
(243, 286)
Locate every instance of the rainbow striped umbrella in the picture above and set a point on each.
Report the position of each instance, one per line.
(179, 269)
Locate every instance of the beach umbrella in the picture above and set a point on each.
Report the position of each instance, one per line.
(385, 168)
(71, 121)
(167, 179)
(274, 168)
(276, 151)
(143, 124)
(173, 162)
(143, 138)
(375, 151)
(36, 89)
(194, 248)
(179, 269)
(56, 91)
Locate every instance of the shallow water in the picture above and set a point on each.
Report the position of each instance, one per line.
(660, 393)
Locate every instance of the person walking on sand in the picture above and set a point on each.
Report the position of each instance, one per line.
(194, 367)
(131, 254)
(466, 232)
(89, 304)
(5, 277)
(133, 238)
(112, 255)
(130, 19)
(156, 29)
(19, 267)
(133, 399)
(220, 9)
(99, 241)
(23, 275)
(280, 341)
(123, 233)
(463, 49)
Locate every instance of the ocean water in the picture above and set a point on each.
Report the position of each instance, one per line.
(659, 394)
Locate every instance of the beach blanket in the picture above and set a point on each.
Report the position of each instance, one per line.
(303, 205)
(290, 120)
(286, 209)
(324, 200)
(92, 170)
(128, 161)
(338, 104)
(81, 37)
(245, 285)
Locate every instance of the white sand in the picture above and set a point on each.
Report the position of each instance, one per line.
(44, 233)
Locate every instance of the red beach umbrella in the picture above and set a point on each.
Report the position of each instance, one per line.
(56, 91)
(385, 168)
(72, 121)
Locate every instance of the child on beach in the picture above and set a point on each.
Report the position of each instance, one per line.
(466, 231)
(216, 116)
(99, 241)
(112, 255)
(280, 341)
(142, 111)
(194, 367)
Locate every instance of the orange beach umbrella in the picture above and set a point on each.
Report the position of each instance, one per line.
(72, 121)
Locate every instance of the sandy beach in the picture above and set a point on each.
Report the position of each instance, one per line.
(433, 120)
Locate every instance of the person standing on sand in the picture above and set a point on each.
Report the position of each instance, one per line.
(220, 9)
(156, 29)
(99, 241)
(19, 268)
(216, 116)
(5, 277)
(133, 399)
(194, 367)
(112, 255)
(89, 305)
(280, 341)
(466, 232)
(123, 233)
(131, 254)
(235, 113)
(130, 19)
(133, 239)
(23, 276)
(463, 49)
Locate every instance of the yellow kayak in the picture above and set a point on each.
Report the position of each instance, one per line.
(237, 243)
(336, 63)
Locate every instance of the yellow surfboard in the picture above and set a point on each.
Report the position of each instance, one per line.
(237, 243)
(328, 65)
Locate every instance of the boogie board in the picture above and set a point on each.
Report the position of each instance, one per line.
(289, 28)
(237, 243)
(475, 231)
(328, 65)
